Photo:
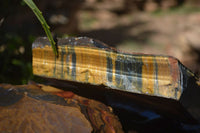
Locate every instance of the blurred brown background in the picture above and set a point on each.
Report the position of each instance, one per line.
(167, 27)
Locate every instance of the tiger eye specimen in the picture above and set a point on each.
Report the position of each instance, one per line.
(86, 60)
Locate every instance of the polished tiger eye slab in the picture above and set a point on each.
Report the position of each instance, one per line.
(86, 60)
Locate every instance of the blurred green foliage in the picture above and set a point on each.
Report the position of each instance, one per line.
(185, 9)
(16, 43)
(15, 59)
(15, 46)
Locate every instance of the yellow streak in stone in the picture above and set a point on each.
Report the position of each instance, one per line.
(91, 65)
(164, 77)
(148, 75)
(43, 62)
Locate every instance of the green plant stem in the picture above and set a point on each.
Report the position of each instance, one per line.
(38, 13)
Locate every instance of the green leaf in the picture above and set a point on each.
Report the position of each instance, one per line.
(38, 13)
